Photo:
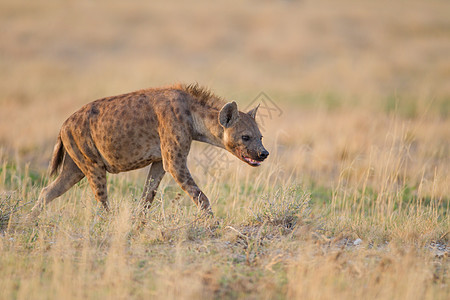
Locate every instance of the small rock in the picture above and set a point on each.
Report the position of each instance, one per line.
(440, 254)
(357, 242)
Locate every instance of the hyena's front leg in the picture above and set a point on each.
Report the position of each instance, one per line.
(175, 163)
(175, 145)
(183, 177)
(154, 177)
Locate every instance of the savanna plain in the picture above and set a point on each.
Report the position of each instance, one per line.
(353, 201)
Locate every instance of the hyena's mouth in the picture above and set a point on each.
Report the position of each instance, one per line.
(250, 161)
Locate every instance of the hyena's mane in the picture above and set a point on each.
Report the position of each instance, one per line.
(203, 96)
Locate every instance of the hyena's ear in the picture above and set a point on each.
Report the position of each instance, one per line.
(228, 115)
(252, 113)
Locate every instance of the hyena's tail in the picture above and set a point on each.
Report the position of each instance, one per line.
(57, 157)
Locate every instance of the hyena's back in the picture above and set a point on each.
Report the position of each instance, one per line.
(120, 133)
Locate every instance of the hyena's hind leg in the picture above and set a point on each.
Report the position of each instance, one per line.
(96, 177)
(154, 177)
(69, 176)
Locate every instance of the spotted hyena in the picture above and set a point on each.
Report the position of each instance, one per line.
(153, 126)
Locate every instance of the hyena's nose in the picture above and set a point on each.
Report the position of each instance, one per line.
(264, 154)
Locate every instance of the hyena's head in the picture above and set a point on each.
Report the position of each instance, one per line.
(241, 135)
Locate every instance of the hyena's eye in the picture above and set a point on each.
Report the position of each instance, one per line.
(245, 138)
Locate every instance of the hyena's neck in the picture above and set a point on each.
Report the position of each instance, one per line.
(206, 126)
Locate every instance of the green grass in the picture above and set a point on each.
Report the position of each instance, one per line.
(245, 252)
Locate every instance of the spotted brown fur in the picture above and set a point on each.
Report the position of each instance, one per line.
(152, 126)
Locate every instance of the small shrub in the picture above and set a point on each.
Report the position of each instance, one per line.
(285, 208)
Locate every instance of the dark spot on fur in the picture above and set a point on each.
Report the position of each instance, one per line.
(94, 110)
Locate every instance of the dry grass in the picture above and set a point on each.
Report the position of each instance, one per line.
(352, 202)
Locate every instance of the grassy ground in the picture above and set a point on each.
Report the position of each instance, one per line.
(352, 202)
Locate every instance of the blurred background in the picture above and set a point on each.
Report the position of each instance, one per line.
(336, 70)
(355, 111)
